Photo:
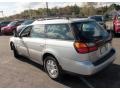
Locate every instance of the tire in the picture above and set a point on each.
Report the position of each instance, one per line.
(112, 34)
(52, 68)
(15, 52)
(116, 34)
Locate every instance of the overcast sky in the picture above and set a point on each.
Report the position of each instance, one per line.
(10, 8)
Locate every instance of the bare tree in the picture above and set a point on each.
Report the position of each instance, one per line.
(89, 8)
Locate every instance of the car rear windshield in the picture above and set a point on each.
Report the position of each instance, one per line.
(90, 30)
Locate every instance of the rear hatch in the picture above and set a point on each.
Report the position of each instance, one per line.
(104, 46)
(91, 32)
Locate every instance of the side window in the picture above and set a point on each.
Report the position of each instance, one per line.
(59, 31)
(38, 31)
(26, 31)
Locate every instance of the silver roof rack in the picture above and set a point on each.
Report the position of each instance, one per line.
(57, 17)
(51, 18)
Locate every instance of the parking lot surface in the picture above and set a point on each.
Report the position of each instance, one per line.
(25, 73)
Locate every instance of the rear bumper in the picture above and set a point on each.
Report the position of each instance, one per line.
(117, 29)
(89, 68)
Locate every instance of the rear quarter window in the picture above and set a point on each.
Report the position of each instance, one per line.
(59, 31)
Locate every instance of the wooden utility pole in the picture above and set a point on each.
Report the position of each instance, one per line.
(2, 13)
(47, 10)
(29, 12)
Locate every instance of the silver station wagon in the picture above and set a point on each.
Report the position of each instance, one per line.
(76, 45)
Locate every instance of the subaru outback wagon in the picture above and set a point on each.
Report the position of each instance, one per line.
(79, 46)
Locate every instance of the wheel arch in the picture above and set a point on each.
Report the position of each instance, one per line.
(48, 53)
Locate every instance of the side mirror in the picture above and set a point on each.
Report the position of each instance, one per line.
(15, 33)
(19, 36)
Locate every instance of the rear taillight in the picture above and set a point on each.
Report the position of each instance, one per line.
(84, 48)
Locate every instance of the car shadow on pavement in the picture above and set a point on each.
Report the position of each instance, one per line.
(24, 59)
(108, 78)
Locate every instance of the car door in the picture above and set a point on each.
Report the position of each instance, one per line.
(21, 41)
(36, 43)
